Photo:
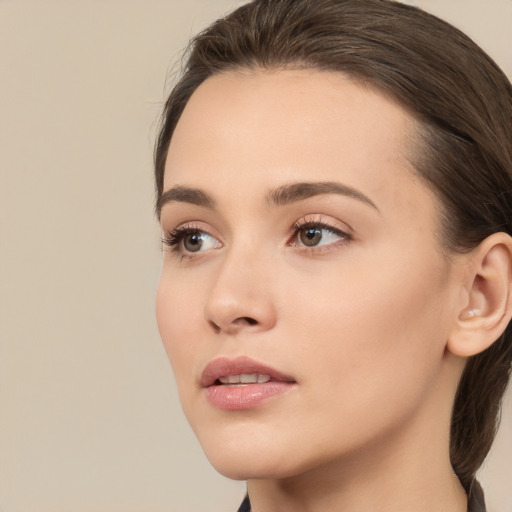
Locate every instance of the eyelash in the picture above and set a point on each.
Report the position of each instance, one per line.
(319, 224)
(174, 239)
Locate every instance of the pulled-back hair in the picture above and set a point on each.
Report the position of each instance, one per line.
(462, 100)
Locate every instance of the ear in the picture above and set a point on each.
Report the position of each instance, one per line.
(487, 309)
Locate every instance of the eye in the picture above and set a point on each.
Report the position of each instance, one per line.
(185, 240)
(317, 234)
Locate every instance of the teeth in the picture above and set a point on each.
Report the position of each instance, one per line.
(245, 378)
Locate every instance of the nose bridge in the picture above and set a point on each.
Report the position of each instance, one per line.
(240, 296)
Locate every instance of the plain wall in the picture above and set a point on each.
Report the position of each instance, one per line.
(89, 416)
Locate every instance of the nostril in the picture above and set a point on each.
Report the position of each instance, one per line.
(246, 320)
(233, 326)
(216, 328)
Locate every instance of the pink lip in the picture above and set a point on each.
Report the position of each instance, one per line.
(242, 396)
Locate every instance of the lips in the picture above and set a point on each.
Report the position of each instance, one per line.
(222, 368)
(242, 383)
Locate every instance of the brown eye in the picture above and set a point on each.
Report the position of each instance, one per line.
(192, 242)
(310, 236)
(317, 235)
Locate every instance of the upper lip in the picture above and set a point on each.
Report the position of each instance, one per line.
(223, 367)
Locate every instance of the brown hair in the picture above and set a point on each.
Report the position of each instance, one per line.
(464, 104)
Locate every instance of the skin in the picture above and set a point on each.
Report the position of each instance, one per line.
(360, 322)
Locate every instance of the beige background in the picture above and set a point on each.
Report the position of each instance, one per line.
(89, 418)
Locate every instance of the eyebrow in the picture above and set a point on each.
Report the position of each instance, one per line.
(299, 191)
(280, 196)
(180, 194)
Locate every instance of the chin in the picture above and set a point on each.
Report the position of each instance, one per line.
(237, 462)
(234, 471)
(245, 457)
(243, 468)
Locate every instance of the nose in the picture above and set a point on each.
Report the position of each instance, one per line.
(240, 298)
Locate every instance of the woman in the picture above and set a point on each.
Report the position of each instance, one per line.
(334, 185)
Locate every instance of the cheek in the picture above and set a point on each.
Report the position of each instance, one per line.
(374, 333)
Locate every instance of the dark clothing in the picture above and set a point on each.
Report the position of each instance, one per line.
(475, 500)
(245, 506)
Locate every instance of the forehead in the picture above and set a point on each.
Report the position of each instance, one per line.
(289, 109)
(261, 129)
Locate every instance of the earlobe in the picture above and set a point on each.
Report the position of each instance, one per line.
(488, 309)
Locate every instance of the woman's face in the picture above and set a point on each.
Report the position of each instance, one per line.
(304, 301)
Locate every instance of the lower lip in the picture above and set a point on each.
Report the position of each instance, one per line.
(244, 396)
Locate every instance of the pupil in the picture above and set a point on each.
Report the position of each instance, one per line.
(193, 242)
(311, 236)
